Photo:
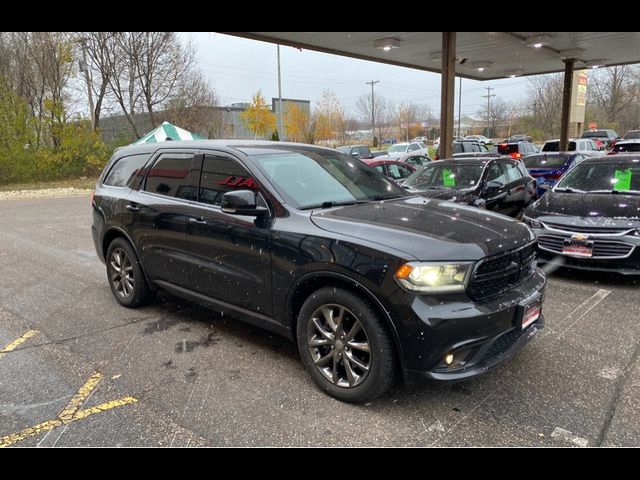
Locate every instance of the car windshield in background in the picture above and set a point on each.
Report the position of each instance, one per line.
(311, 179)
(399, 148)
(602, 177)
(445, 177)
(555, 146)
(544, 161)
(626, 147)
(595, 134)
(632, 135)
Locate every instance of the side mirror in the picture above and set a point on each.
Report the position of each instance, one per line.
(242, 202)
(355, 154)
(494, 185)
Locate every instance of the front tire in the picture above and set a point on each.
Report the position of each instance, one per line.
(125, 275)
(345, 346)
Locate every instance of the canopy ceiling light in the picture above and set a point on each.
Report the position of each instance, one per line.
(538, 41)
(386, 44)
(599, 62)
(481, 66)
(512, 73)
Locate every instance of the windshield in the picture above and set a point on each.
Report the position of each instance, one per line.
(316, 179)
(544, 161)
(633, 134)
(626, 147)
(445, 177)
(554, 146)
(398, 148)
(595, 134)
(602, 177)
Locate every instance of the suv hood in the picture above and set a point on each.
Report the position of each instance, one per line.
(427, 229)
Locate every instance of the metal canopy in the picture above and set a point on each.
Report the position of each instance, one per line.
(498, 54)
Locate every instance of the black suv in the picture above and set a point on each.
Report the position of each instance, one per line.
(321, 248)
(517, 149)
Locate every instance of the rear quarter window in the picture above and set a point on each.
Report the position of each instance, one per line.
(125, 170)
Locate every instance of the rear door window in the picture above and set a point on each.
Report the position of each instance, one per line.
(171, 176)
(125, 170)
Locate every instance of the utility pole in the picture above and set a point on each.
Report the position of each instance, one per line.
(280, 129)
(459, 104)
(84, 67)
(488, 97)
(373, 115)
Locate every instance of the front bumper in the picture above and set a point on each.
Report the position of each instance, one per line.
(611, 253)
(479, 335)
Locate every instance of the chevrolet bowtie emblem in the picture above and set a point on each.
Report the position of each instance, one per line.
(579, 236)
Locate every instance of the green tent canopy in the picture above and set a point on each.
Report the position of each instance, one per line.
(165, 132)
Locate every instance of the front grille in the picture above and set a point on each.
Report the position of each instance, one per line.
(502, 272)
(588, 229)
(503, 342)
(601, 248)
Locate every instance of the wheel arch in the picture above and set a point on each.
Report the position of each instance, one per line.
(311, 282)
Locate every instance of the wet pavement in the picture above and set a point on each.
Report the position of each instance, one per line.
(79, 369)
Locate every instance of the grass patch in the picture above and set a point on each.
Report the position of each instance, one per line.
(80, 183)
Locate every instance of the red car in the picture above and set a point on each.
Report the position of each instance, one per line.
(396, 171)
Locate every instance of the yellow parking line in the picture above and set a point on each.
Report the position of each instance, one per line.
(17, 342)
(51, 424)
(70, 413)
(76, 401)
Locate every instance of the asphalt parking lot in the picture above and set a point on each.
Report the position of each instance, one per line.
(79, 369)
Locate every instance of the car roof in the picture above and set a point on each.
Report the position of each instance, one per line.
(378, 161)
(629, 141)
(466, 160)
(247, 147)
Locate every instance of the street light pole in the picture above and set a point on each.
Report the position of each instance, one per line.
(373, 115)
(280, 129)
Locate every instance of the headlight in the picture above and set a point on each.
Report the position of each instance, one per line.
(531, 222)
(433, 277)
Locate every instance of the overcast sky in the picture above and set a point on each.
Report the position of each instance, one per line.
(238, 67)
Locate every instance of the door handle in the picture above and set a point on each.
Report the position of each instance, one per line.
(132, 208)
(199, 220)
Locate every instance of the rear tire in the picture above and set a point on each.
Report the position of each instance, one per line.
(345, 346)
(124, 273)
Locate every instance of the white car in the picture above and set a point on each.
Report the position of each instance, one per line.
(400, 148)
(479, 138)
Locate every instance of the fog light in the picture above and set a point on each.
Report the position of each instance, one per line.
(448, 358)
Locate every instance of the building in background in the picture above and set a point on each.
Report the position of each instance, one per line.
(212, 122)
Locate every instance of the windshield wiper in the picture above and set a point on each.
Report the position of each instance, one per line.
(331, 204)
(621, 192)
(568, 190)
(385, 197)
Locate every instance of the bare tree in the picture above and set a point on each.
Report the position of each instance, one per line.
(123, 74)
(545, 102)
(613, 93)
(161, 62)
(383, 111)
(98, 47)
(191, 105)
(408, 120)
